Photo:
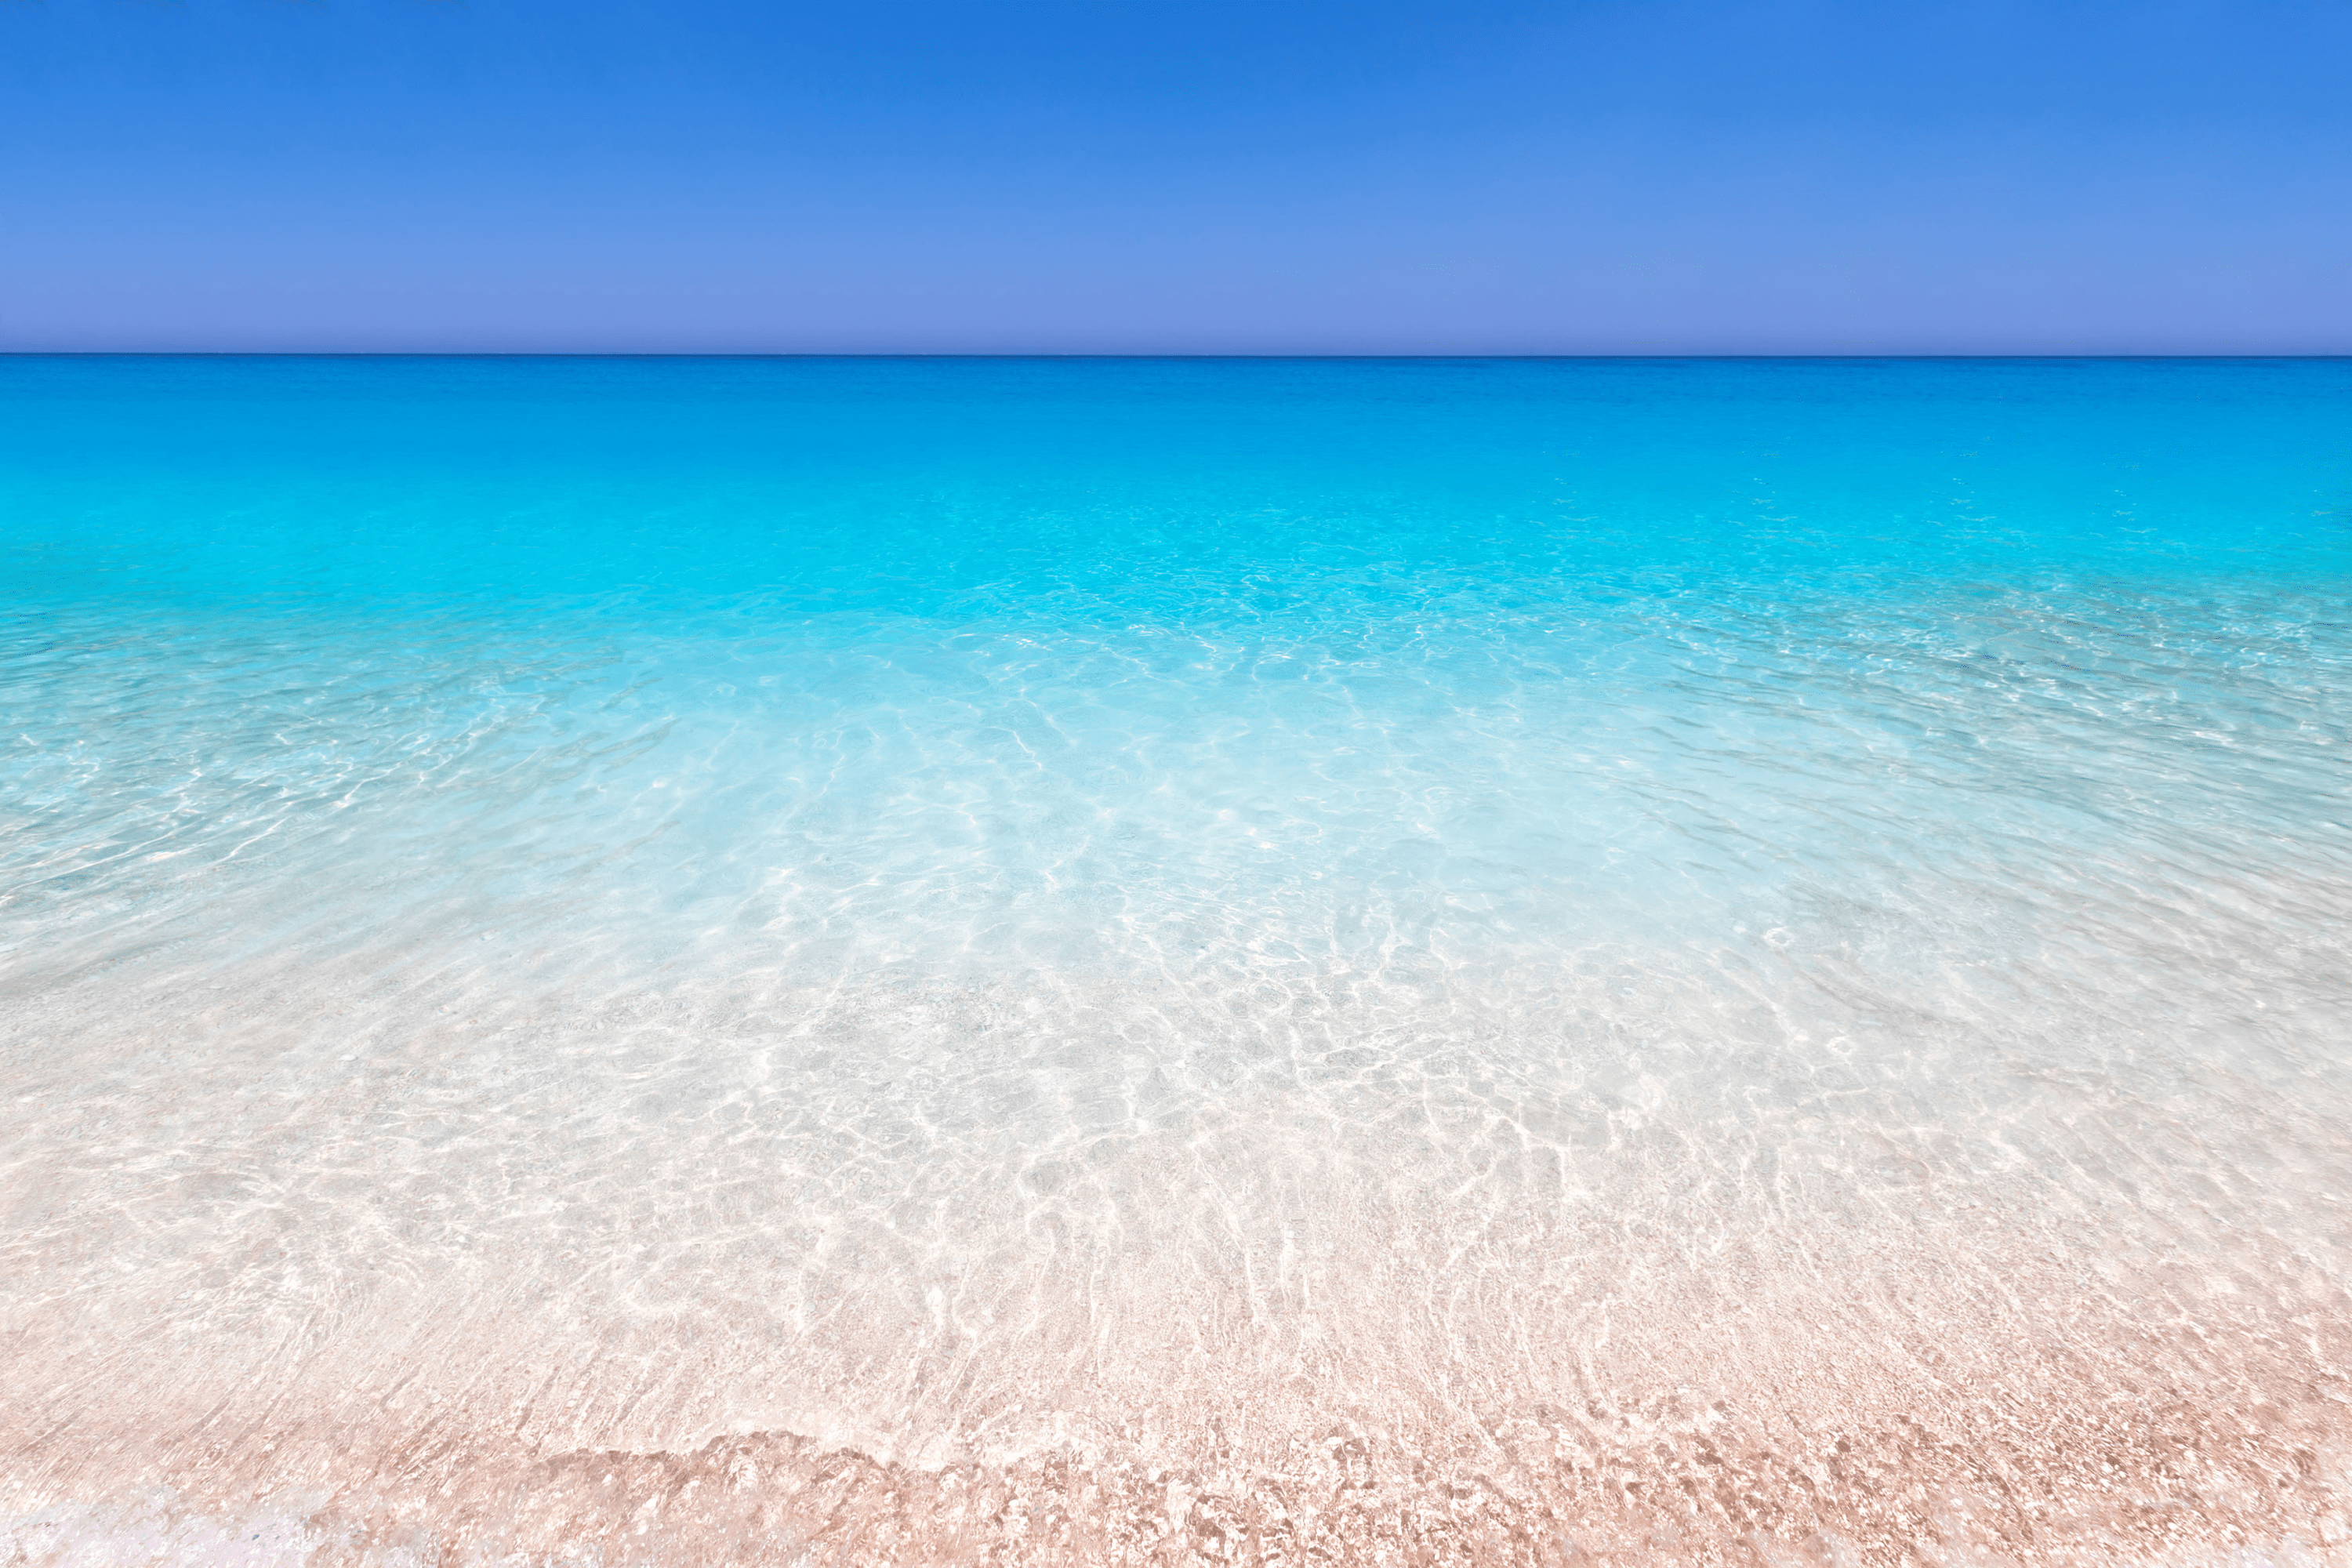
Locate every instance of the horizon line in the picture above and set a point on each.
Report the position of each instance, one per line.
(1809, 356)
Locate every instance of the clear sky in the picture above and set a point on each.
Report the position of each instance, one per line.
(1178, 175)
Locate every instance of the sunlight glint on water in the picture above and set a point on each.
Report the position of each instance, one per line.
(1061, 961)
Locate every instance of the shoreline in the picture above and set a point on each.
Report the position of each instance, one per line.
(2066, 1427)
(2161, 1483)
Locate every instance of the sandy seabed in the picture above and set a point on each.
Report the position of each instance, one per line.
(2090, 1316)
(2186, 1447)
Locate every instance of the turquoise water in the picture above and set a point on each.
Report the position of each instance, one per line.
(1361, 957)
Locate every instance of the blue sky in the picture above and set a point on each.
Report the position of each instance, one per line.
(1135, 176)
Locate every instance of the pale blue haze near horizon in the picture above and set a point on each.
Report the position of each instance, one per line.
(1596, 176)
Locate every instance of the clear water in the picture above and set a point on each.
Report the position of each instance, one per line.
(847, 960)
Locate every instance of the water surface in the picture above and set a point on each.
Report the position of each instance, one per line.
(1092, 961)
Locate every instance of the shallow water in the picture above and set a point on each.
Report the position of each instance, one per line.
(838, 961)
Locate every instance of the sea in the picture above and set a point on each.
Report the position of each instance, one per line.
(833, 960)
